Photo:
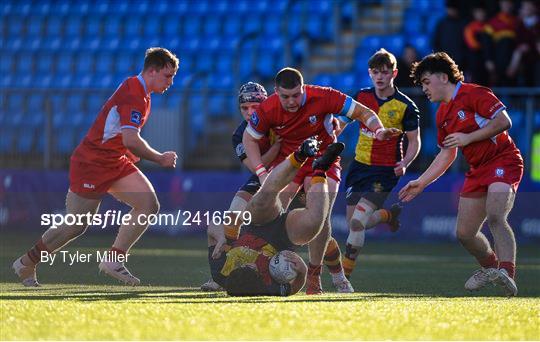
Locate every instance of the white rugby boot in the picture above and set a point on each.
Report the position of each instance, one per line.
(344, 286)
(118, 271)
(478, 280)
(27, 274)
(500, 277)
(211, 286)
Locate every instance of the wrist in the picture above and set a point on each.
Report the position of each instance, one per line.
(260, 170)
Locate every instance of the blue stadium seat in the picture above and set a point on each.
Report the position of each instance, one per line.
(191, 26)
(14, 25)
(324, 80)
(205, 62)
(252, 25)
(346, 82)
(320, 28)
(152, 26)
(74, 104)
(271, 44)
(53, 27)
(271, 25)
(81, 7)
(132, 26)
(104, 63)
(421, 43)
(224, 64)
(393, 43)
(198, 7)
(171, 26)
(222, 6)
(212, 25)
(65, 141)
(265, 64)
(64, 63)
(24, 63)
(13, 44)
(217, 104)
(92, 26)
(44, 63)
(220, 81)
(321, 7)
(370, 44)
(124, 64)
(432, 20)
(195, 107)
(178, 8)
(112, 26)
(412, 22)
(72, 26)
(6, 141)
(231, 27)
(94, 103)
(35, 104)
(25, 139)
(139, 8)
(34, 26)
(17, 7)
(84, 63)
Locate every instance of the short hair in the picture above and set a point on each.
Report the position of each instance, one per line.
(382, 58)
(434, 63)
(245, 281)
(158, 58)
(289, 78)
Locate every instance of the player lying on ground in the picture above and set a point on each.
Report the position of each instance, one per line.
(104, 163)
(243, 270)
(249, 97)
(472, 118)
(378, 165)
(296, 112)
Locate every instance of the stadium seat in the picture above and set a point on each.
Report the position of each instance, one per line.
(271, 25)
(412, 22)
(224, 64)
(104, 63)
(421, 43)
(6, 141)
(324, 80)
(34, 26)
(24, 63)
(394, 43)
(74, 104)
(220, 81)
(191, 27)
(53, 27)
(15, 103)
(217, 104)
(212, 25)
(152, 26)
(92, 26)
(84, 63)
(231, 26)
(205, 62)
(72, 26)
(25, 139)
(35, 104)
(252, 25)
(171, 26)
(370, 44)
(321, 7)
(432, 20)
(138, 8)
(14, 25)
(18, 8)
(13, 44)
(65, 141)
(112, 26)
(132, 26)
(119, 7)
(64, 64)
(222, 6)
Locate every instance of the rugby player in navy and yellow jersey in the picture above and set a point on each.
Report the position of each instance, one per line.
(378, 164)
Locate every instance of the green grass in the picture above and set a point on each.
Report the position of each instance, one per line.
(404, 291)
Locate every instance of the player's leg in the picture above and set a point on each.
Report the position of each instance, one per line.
(317, 247)
(470, 219)
(136, 191)
(265, 205)
(55, 238)
(499, 203)
(332, 260)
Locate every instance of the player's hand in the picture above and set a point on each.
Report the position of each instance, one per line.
(457, 140)
(221, 241)
(387, 133)
(400, 168)
(168, 159)
(411, 190)
(309, 147)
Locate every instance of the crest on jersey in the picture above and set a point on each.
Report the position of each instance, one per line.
(377, 187)
(240, 150)
(313, 119)
(254, 119)
(136, 117)
(499, 172)
(461, 115)
(391, 113)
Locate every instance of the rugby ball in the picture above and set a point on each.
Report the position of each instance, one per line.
(281, 270)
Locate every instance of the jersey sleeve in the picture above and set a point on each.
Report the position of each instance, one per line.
(259, 124)
(411, 119)
(131, 114)
(238, 146)
(339, 104)
(485, 103)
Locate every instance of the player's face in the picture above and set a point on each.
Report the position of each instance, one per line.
(163, 79)
(291, 99)
(433, 86)
(383, 77)
(248, 108)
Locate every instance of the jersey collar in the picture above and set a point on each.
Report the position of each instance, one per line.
(141, 79)
(458, 85)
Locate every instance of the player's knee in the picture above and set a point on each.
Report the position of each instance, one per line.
(465, 235)
(150, 204)
(496, 220)
(74, 231)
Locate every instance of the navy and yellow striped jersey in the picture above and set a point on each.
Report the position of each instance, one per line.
(396, 111)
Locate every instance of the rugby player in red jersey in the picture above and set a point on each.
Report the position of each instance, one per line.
(472, 118)
(104, 163)
(296, 112)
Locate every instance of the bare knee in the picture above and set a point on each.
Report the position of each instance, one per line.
(496, 220)
(465, 235)
(149, 204)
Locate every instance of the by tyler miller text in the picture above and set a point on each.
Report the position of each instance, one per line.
(71, 258)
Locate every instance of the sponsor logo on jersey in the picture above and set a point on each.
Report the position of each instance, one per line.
(240, 150)
(254, 119)
(136, 117)
(377, 187)
(461, 115)
(313, 119)
(499, 172)
(348, 192)
(89, 186)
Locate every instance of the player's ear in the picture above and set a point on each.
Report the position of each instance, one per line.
(443, 77)
(395, 73)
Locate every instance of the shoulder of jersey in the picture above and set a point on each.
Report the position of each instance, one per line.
(403, 98)
(270, 103)
(241, 127)
(364, 92)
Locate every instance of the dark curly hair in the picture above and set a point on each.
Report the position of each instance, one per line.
(434, 63)
(245, 281)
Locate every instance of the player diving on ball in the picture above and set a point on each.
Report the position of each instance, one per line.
(243, 268)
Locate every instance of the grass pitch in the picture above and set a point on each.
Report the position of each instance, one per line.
(404, 291)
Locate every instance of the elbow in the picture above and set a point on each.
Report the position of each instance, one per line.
(508, 124)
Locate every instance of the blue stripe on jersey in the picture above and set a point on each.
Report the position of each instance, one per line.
(346, 106)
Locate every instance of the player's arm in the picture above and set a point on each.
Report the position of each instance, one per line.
(354, 110)
(133, 141)
(413, 148)
(498, 124)
(438, 167)
(272, 153)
